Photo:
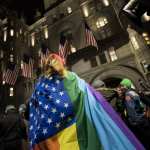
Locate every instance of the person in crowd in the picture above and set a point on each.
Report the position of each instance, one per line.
(66, 112)
(120, 105)
(22, 110)
(135, 112)
(12, 129)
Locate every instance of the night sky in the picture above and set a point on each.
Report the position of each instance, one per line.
(24, 7)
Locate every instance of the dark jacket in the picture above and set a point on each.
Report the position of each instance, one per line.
(12, 131)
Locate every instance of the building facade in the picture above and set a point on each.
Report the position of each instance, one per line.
(122, 53)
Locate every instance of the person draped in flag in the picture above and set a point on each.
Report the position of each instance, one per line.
(66, 113)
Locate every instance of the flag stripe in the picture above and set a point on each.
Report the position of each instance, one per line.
(116, 118)
(27, 69)
(90, 39)
(68, 138)
(105, 125)
(64, 50)
(10, 76)
(43, 56)
(64, 140)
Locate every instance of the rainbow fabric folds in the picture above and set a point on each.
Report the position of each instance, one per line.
(68, 114)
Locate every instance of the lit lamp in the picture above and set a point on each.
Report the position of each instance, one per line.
(11, 32)
(73, 49)
(20, 31)
(21, 64)
(5, 35)
(146, 38)
(33, 39)
(144, 34)
(148, 42)
(69, 10)
(46, 33)
(85, 10)
(11, 92)
(106, 2)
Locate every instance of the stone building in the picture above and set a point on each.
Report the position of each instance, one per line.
(122, 53)
(13, 43)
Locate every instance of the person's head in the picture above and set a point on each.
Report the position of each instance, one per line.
(10, 108)
(54, 63)
(126, 83)
(120, 91)
(22, 109)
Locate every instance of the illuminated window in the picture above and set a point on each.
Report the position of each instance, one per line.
(3, 82)
(11, 58)
(146, 38)
(93, 62)
(21, 65)
(106, 2)
(69, 10)
(148, 42)
(112, 54)
(39, 53)
(20, 31)
(5, 35)
(17, 34)
(134, 43)
(73, 49)
(11, 32)
(11, 91)
(144, 34)
(101, 22)
(33, 39)
(85, 10)
(46, 32)
(1, 54)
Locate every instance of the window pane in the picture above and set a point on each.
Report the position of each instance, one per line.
(102, 58)
(11, 91)
(33, 39)
(134, 43)
(5, 35)
(112, 54)
(93, 62)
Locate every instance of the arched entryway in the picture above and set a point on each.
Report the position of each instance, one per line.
(112, 76)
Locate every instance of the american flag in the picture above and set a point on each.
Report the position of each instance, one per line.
(52, 112)
(27, 67)
(64, 48)
(11, 74)
(44, 53)
(90, 39)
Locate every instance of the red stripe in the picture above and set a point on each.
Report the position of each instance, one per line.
(44, 56)
(64, 50)
(10, 76)
(27, 70)
(90, 39)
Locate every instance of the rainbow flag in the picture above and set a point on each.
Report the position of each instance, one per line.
(68, 114)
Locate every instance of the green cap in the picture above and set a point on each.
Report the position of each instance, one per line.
(126, 82)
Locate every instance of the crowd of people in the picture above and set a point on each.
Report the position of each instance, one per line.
(129, 105)
(133, 106)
